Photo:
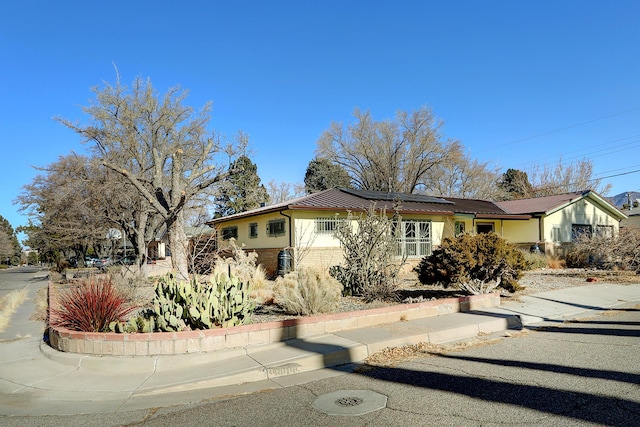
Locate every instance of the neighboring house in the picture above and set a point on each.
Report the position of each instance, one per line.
(633, 218)
(562, 218)
(159, 248)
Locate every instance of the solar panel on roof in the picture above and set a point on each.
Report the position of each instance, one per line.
(392, 196)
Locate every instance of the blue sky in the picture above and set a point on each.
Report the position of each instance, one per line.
(518, 82)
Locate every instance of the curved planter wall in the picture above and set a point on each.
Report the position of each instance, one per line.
(166, 343)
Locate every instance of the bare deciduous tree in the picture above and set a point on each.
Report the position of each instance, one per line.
(63, 208)
(465, 178)
(564, 178)
(76, 200)
(282, 191)
(162, 147)
(398, 155)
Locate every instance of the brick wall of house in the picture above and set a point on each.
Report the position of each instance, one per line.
(322, 258)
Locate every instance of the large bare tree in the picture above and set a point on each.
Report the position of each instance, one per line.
(461, 176)
(564, 178)
(163, 148)
(399, 155)
(64, 210)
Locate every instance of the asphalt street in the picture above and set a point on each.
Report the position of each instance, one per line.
(585, 373)
(551, 374)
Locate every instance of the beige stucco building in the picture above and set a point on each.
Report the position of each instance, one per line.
(304, 227)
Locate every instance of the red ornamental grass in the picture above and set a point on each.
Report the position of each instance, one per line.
(91, 306)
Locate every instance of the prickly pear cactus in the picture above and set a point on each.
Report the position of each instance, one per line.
(180, 305)
(144, 322)
(231, 303)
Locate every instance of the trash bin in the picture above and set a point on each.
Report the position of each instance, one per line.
(285, 262)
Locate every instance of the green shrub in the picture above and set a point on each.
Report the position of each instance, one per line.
(307, 291)
(476, 263)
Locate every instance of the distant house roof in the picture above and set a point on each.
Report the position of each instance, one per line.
(632, 212)
(356, 200)
(550, 204)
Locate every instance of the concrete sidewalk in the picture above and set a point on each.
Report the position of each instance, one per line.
(37, 380)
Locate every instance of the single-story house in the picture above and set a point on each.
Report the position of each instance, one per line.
(562, 218)
(306, 224)
(633, 218)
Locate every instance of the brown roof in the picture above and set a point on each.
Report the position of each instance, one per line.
(355, 200)
(539, 205)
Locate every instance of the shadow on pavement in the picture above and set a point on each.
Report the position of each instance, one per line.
(571, 404)
(587, 307)
(569, 370)
(588, 331)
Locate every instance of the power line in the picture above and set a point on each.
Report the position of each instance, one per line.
(517, 141)
(591, 154)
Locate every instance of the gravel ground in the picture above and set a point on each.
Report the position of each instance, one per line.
(412, 291)
(534, 281)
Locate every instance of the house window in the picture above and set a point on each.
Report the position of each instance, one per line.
(579, 230)
(253, 230)
(327, 225)
(484, 227)
(556, 234)
(605, 231)
(459, 228)
(275, 228)
(414, 238)
(229, 233)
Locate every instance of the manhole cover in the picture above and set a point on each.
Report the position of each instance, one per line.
(350, 402)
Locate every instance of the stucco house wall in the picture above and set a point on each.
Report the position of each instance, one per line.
(522, 232)
(305, 223)
(583, 212)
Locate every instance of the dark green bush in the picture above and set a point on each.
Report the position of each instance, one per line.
(473, 261)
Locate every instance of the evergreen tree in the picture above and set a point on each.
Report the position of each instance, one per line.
(241, 190)
(9, 246)
(515, 184)
(322, 174)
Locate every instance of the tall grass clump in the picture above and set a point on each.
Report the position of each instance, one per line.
(91, 306)
(535, 261)
(307, 291)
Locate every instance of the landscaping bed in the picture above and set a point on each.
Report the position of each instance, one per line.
(269, 323)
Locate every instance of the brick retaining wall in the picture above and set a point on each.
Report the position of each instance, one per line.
(166, 343)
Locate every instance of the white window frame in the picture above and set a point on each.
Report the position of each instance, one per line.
(414, 238)
(327, 225)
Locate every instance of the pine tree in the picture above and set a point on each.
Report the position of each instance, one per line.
(242, 190)
(322, 174)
